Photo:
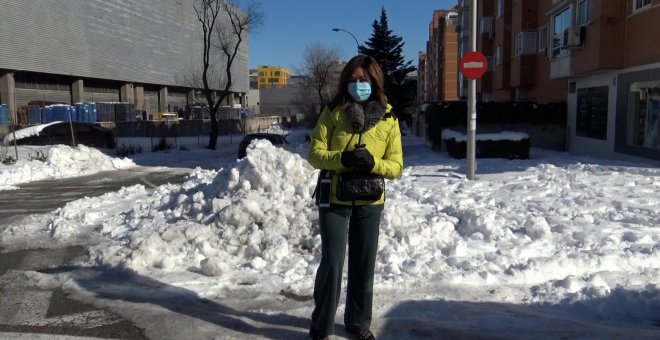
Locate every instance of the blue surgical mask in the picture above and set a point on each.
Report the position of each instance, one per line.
(360, 91)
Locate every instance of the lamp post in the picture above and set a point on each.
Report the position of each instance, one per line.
(354, 38)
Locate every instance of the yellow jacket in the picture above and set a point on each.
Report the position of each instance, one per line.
(333, 132)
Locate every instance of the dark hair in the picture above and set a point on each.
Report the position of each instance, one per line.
(370, 65)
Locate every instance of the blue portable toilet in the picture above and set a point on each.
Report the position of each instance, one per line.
(81, 112)
(47, 115)
(34, 115)
(4, 114)
(59, 112)
(92, 115)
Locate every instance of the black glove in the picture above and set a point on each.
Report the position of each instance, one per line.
(359, 158)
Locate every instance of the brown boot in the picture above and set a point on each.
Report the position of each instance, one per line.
(363, 335)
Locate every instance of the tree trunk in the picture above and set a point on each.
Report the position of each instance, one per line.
(213, 136)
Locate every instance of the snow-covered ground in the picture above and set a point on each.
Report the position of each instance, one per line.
(556, 246)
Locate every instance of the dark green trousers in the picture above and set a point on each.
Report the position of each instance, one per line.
(360, 225)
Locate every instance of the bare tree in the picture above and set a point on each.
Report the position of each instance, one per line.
(318, 63)
(222, 41)
(305, 101)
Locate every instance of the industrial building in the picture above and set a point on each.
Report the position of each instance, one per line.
(144, 53)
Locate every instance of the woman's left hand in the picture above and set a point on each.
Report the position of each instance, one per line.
(359, 158)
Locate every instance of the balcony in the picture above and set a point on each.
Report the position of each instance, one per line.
(560, 67)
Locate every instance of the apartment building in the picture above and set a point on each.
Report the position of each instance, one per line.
(272, 77)
(513, 35)
(611, 60)
(421, 78)
(438, 66)
(597, 56)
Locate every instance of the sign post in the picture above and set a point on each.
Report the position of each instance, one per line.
(473, 65)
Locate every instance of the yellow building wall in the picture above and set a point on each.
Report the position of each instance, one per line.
(272, 76)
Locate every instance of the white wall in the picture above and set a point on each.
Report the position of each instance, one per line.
(591, 146)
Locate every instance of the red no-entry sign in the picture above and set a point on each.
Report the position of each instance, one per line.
(473, 65)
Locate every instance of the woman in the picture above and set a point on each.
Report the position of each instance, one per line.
(357, 134)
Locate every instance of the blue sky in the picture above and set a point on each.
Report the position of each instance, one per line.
(289, 25)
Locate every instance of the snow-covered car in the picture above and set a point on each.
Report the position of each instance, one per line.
(89, 134)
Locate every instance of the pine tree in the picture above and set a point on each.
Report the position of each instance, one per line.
(387, 49)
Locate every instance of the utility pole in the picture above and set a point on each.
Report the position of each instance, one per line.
(473, 65)
(472, 99)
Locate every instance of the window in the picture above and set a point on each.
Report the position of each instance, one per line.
(639, 4)
(584, 12)
(543, 38)
(499, 8)
(561, 22)
(644, 113)
(486, 24)
(498, 55)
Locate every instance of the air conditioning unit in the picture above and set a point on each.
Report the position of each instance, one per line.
(574, 36)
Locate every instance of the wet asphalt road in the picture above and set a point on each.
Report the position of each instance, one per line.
(44, 196)
(28, 311)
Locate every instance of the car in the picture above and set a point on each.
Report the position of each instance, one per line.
(86, 133)
(275, 139)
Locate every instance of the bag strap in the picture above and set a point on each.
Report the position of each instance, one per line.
(350, 140)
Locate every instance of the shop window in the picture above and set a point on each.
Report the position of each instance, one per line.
(644, 114)
(591, 113)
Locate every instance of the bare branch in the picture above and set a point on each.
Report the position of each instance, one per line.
(224, 27)
(318, 63)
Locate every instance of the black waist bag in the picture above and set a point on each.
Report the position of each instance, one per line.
(360, 187)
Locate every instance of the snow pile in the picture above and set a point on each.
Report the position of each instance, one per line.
(57, 162)
(27, 132)
(534, 231)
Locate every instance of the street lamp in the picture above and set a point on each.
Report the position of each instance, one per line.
(354, 38)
